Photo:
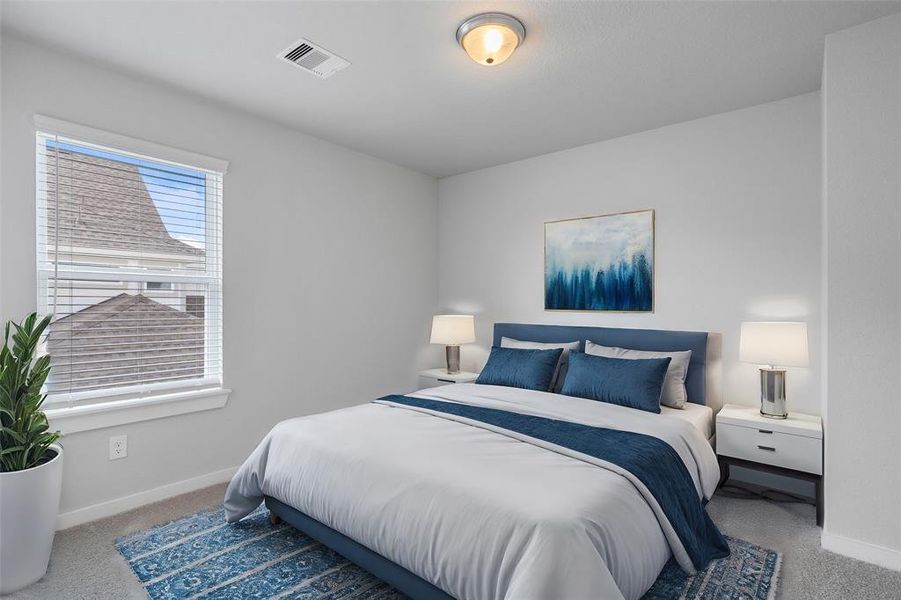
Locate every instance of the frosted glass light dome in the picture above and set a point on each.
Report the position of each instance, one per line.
(490, 38)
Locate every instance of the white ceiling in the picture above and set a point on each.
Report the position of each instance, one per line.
(587, 71)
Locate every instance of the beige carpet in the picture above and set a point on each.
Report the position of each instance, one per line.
(85, 565)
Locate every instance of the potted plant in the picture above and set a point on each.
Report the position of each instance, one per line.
(31, 462)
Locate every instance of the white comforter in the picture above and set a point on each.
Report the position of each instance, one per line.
(477, 512)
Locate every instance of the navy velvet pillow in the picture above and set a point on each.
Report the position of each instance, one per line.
(635, 383)
(521, 368)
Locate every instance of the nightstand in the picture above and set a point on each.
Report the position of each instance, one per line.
(436, 377)
(791, 447)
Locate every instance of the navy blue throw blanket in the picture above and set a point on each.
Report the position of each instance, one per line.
(650, 459)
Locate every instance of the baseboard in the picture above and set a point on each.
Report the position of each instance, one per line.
(865, 551)
(118, 505)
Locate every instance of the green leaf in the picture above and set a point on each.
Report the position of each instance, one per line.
(14, 434)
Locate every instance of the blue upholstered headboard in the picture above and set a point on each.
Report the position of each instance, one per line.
(636, 339)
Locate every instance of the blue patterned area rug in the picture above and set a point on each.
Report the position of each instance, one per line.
(748, 573)
(202, 556)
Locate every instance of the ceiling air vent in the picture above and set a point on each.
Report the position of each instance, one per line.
(313, 59)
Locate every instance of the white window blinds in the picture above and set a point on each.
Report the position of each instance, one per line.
(130, 266)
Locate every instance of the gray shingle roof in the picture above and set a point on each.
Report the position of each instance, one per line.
(105, 204)
(122, 340)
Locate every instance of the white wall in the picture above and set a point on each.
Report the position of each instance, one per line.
(737, 200)
(862, 134)
(329, 266)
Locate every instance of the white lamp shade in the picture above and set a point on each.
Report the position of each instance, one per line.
(453, 330)
(778, 343)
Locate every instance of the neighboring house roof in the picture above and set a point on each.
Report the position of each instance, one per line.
(104, 204)
(122, 341)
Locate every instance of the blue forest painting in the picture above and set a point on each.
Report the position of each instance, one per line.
(600, 263)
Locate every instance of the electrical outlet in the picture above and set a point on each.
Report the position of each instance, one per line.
(118, 447)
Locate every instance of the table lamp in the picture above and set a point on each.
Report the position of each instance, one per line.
(777, 345)
(453, 330)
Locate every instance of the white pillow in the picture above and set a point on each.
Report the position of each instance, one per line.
(674, 393)
(562, 364)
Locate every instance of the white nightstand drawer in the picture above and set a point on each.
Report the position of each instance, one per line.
(762, 445)
(436, 377)
(429, 382)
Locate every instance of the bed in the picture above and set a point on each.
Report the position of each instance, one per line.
(403, 486)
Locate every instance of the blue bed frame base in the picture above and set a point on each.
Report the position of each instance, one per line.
(386, 570)
(637, 339)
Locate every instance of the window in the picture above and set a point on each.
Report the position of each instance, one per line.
(129, 265)
(194, 305)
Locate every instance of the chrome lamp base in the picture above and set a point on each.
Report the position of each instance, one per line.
(452, 353)
(772, 393)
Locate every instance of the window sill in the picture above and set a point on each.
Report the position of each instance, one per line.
(120, 412)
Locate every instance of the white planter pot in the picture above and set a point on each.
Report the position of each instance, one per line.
(29, 503)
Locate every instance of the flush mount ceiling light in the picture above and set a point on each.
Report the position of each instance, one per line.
(490, 38)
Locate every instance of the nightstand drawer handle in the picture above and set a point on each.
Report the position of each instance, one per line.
(444, 380)
(764, 431)
(768, 448)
